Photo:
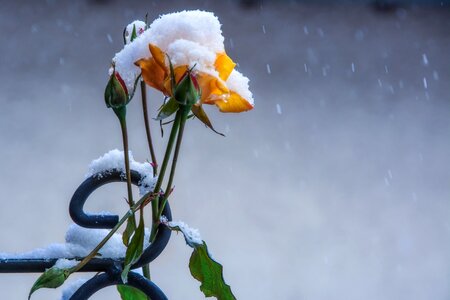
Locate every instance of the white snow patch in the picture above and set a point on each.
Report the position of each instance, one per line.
(79, 243)
(64, 263)
(191, 235)
(72, 287)
(114, 160)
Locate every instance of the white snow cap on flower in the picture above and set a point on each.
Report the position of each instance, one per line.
(114, 160)
(140, 28)
(190, 38)
(239, 83)
(191, 34)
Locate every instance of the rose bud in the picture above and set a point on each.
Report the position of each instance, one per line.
(116, 93)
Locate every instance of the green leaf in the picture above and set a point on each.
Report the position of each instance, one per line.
(203, 267)
(168, 109)
(210, 274)
(135, 248)
(130, 293)
(200, 113)
(52, 278)
(131, 227)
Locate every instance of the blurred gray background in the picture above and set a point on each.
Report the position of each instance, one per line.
(336, 186)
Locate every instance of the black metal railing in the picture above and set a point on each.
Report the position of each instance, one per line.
(109, 270)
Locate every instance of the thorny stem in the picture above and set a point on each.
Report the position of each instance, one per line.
(177, 127)
(146, 268)
(146, 271)
(123, 125)
(185, 111)
(155, 203)
(129, 213)
(147, 128)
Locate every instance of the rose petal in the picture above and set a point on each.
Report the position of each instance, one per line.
(152, 73)
(212, 88)
(234, 103)
(224, 65)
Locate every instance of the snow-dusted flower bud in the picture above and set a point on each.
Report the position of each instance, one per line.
(133, 30)
(116, 93)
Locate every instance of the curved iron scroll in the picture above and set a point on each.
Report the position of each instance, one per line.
(108, 221)
(111, 268)
(103, 280)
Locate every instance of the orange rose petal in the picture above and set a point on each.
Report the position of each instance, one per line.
(159, 56)
(224, 65)
(234, 104)
(179, 72)
(212, 88)
(152, 73)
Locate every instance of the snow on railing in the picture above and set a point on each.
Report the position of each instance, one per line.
(84, 235)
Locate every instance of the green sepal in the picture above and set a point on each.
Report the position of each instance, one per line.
(123, 35)
(172, 75)
(130, 293)
(121, 112)
(168, 109)
(200, 113)
(135, 248)
(210, 274)
(185, 92)
(51, 278)
(146, 21)
(161, 128)
(136, 81)
(133, 33)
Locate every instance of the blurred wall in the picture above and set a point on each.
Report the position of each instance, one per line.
(336, 186)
